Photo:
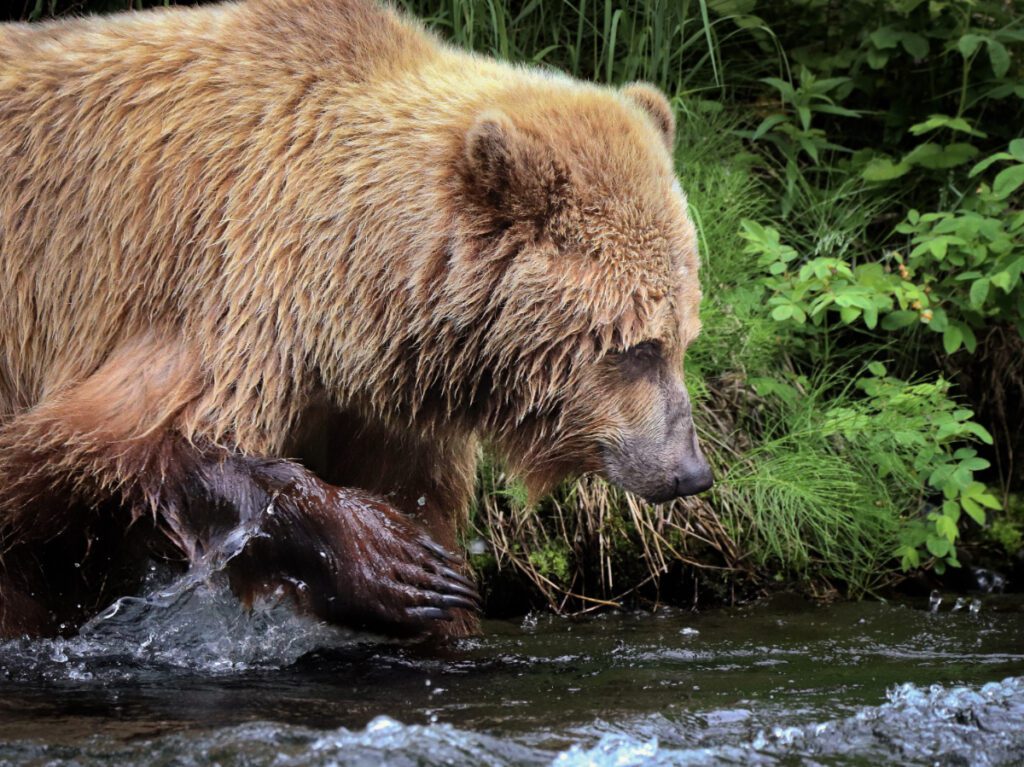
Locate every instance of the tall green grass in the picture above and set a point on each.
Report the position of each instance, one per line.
(674, 43)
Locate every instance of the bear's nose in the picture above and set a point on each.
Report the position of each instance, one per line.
(693, 478)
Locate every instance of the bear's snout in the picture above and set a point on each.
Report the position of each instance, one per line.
(660, 466)
(693, 476)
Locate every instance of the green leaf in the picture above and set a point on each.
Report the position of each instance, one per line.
(984, 164)
(978, 431)
(998, 57)
(968, 44)
(1008, 180)
(1017, 149)
(939, 246)
(810, 147)
(883, 169)
(877, 59)
(829, 83)
(952, 338)
(782, 313)
(876, 369)
(767, 124)
(805, 116)
(784, 88)
(870, 316)
(946, 527)
(970, 340)
(934, 122)
(831, 109)
(886, 37)
(976, 492)
(935, 156)
(849, 314)
(938, 547)
(899, 319)
(974, 511)
(987, 499)
(917, 45)
(979, 292)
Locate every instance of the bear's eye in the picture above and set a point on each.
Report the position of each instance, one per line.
(640, 360)
(645, 350)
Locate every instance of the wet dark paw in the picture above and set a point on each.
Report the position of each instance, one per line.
(350, 558)
(431, 586)
(405, 582)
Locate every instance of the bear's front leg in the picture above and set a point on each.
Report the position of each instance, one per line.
(429, 477)
(121, 441)
(345, 555)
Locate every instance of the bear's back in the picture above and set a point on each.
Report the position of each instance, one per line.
(121, 142)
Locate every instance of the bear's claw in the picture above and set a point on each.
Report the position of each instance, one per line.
(440, 551)
(435, 594)
(428, 614)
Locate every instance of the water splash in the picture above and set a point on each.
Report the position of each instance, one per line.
(188, 622)
(969, 726)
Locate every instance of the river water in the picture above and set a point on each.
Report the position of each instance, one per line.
(185, 677)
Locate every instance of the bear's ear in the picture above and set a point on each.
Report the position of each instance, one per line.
(654, 103)
(519, 176)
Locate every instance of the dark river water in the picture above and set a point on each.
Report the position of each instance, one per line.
(186, 678)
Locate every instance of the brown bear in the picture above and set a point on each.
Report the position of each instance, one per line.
(254, 254)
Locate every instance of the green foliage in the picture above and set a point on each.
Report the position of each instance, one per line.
(962, 271)
(552, 561)
(802, 510)
(861, 477)
(1007, 528)
(917, 435)
(804, 502)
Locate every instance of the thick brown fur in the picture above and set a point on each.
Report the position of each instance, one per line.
(278, 228)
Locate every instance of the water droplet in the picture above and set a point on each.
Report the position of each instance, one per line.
(383, 723)
(421, 501)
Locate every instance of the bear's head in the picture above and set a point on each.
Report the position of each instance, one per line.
(582, 267)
